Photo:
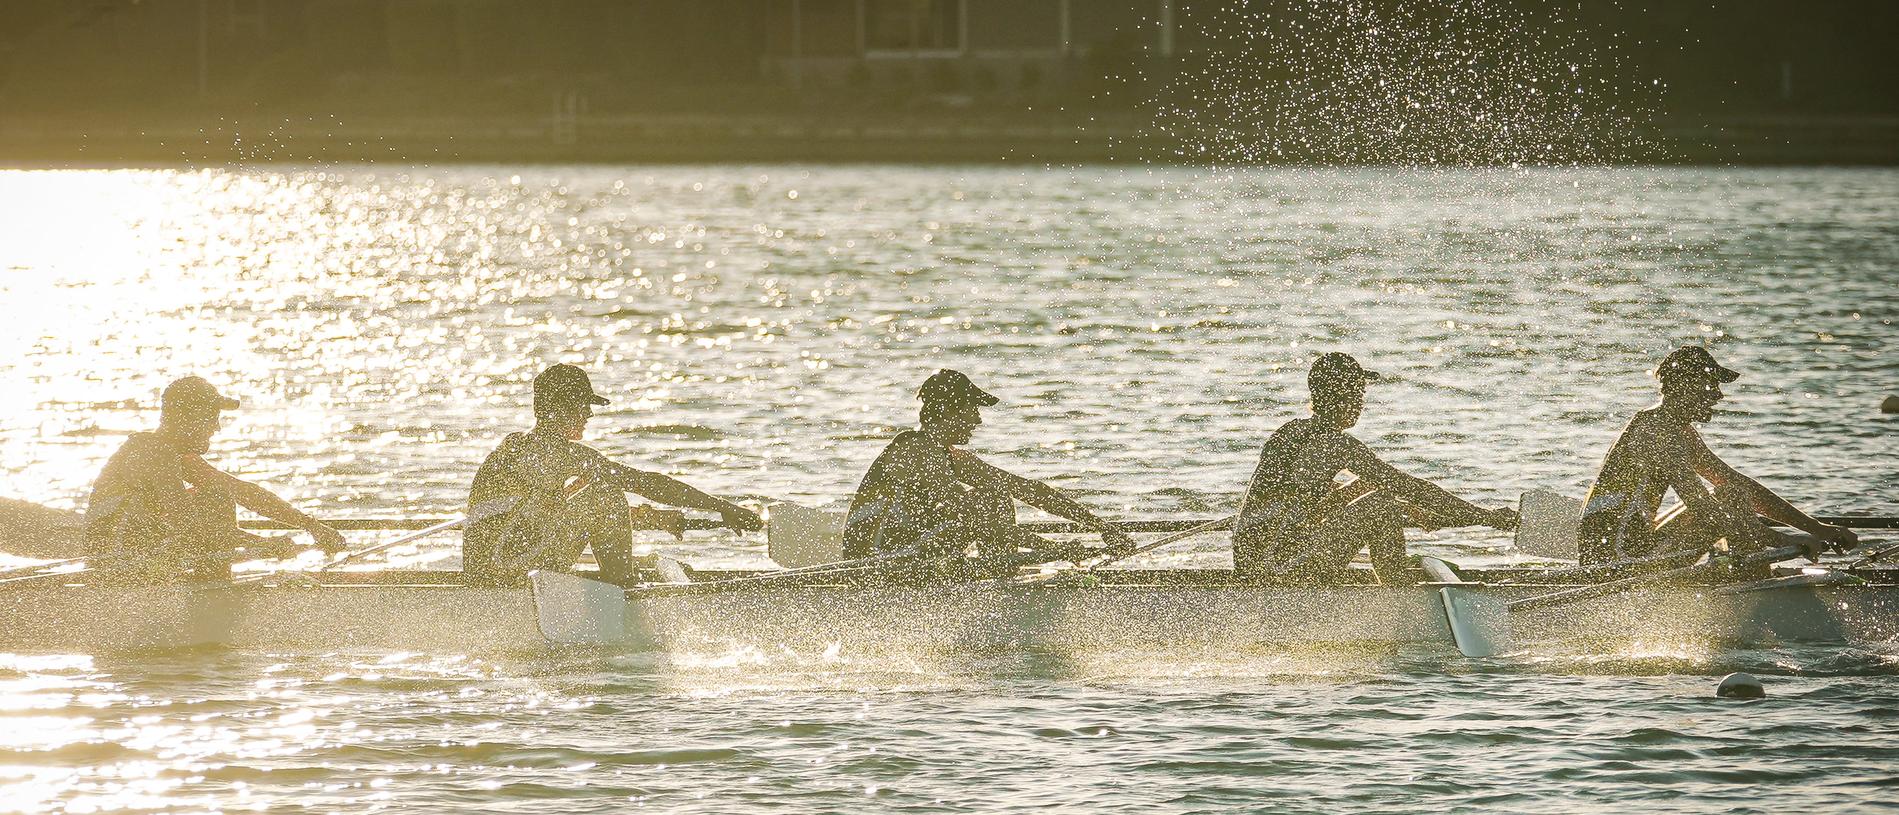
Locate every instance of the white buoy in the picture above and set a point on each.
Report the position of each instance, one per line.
(1740, 686)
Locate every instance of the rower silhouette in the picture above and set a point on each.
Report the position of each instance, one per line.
(1659, 450)
(1296, 524)
(926, 497)
(562, 497)
(159, 512)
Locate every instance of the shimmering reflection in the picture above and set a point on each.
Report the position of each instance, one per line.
(1114, 731)
(1145, 327)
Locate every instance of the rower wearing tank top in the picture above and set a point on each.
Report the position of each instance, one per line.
(928, 500)
(1298, 524)
(1660, 450)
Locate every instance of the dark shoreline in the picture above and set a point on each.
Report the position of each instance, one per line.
(929, 139)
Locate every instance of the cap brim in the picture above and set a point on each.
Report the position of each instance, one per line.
(1725, 375)
(227, 403)
(983, 398)
(1370, 376)
(596, 399)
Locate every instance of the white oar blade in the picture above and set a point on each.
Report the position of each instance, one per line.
(572, 610)
(1547, 524)
(1438, 570)
(797, 536)
(1480, 624)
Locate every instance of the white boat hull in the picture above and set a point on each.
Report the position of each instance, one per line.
(989, 616)
(87, 619)
(569, 610)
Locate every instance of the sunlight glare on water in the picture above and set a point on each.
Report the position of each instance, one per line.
(1145, 329)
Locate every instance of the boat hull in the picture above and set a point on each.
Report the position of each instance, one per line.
(994, 616)
(87, 619)
(1160, 611)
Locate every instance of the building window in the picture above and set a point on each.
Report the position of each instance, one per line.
(913, 25)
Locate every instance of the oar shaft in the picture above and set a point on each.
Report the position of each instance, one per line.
(1574, 572)
(788, 577)
(39, 567)
(1208, 526)
(708, 524)
(409, 538)
(1873, 557)
(1614, 586)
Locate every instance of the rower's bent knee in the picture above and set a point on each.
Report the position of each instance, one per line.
(1380, 507)
(992, 508)
(1733, 496)
(212, 507)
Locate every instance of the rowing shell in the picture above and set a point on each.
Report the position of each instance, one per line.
(351, 611)
(1183, 609)
(1193, 609)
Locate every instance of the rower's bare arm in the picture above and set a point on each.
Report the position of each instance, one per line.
(1764, 502)
(668, 490)
(261, 501)
(1443, 508)
(976, 472)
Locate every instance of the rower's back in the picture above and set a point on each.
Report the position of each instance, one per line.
(904, 488)
(560, 503)
(1619, 512)
(1297, 467)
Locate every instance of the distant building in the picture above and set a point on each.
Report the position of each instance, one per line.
(959, 45)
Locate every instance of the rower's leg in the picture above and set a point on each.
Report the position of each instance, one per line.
(214, 525)
(989, 522)
(1738, 525)
(1375, 519)
(603, 521)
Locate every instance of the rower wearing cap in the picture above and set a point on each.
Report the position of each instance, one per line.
(927, 497)
(159, 512)
(1660, 450)
(1297, 524)
(557, 497)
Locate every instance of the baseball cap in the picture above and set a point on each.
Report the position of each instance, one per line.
(564, 385)
(194, 392)
(952, 386)
(1693, 361)
(1335, 370)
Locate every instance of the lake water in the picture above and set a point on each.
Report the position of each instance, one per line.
(761, 331)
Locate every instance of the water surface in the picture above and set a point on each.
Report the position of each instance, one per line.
(761, 331)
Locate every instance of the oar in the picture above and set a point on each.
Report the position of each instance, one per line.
(1593, 570)
(1210, 526)
(480, 512)
(1075, 574)
(1874, 557)
(39, 567)
(1480, 624)
(784, 576)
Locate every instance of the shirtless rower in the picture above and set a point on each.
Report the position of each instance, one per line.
(926, 496)
(1297, 525)
(159, 512)
(1660, 450)
(556, 497)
